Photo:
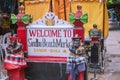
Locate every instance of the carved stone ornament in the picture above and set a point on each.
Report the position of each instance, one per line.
(50, 19)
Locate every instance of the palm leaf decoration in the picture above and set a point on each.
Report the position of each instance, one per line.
(13, 18)
(72, 18)
(25, 18)
(84, 18)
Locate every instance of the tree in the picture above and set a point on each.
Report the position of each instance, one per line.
(112, 1)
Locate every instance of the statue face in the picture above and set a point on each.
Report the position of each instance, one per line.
(76, 43)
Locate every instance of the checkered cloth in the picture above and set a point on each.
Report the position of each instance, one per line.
(17, 59)
(75, 65)
(14, 61)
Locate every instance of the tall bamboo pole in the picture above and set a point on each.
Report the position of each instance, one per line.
(103, 23)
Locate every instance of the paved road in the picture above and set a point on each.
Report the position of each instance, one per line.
(113, 47)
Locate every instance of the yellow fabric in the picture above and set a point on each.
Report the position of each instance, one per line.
(21, 0)
(94, 8)
(95, 11)
(63, 14)
(88, 0)
(106, 27)
(55, 7)
(37, 9)
(59, 6)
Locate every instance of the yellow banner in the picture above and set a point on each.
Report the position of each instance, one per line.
(96, 10)
(36, 8)
(97, 14)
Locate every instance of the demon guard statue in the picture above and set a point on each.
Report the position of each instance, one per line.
(97, 58)
(95, 35)
(76, 64)
(14, 61)
(76, 47)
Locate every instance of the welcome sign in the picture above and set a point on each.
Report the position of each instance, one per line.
(49, 42)
(50, 36)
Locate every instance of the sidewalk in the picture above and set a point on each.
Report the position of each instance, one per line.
(113, 53)
(113, 40)
(113, 48)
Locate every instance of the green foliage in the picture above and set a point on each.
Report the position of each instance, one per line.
(112, 1)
